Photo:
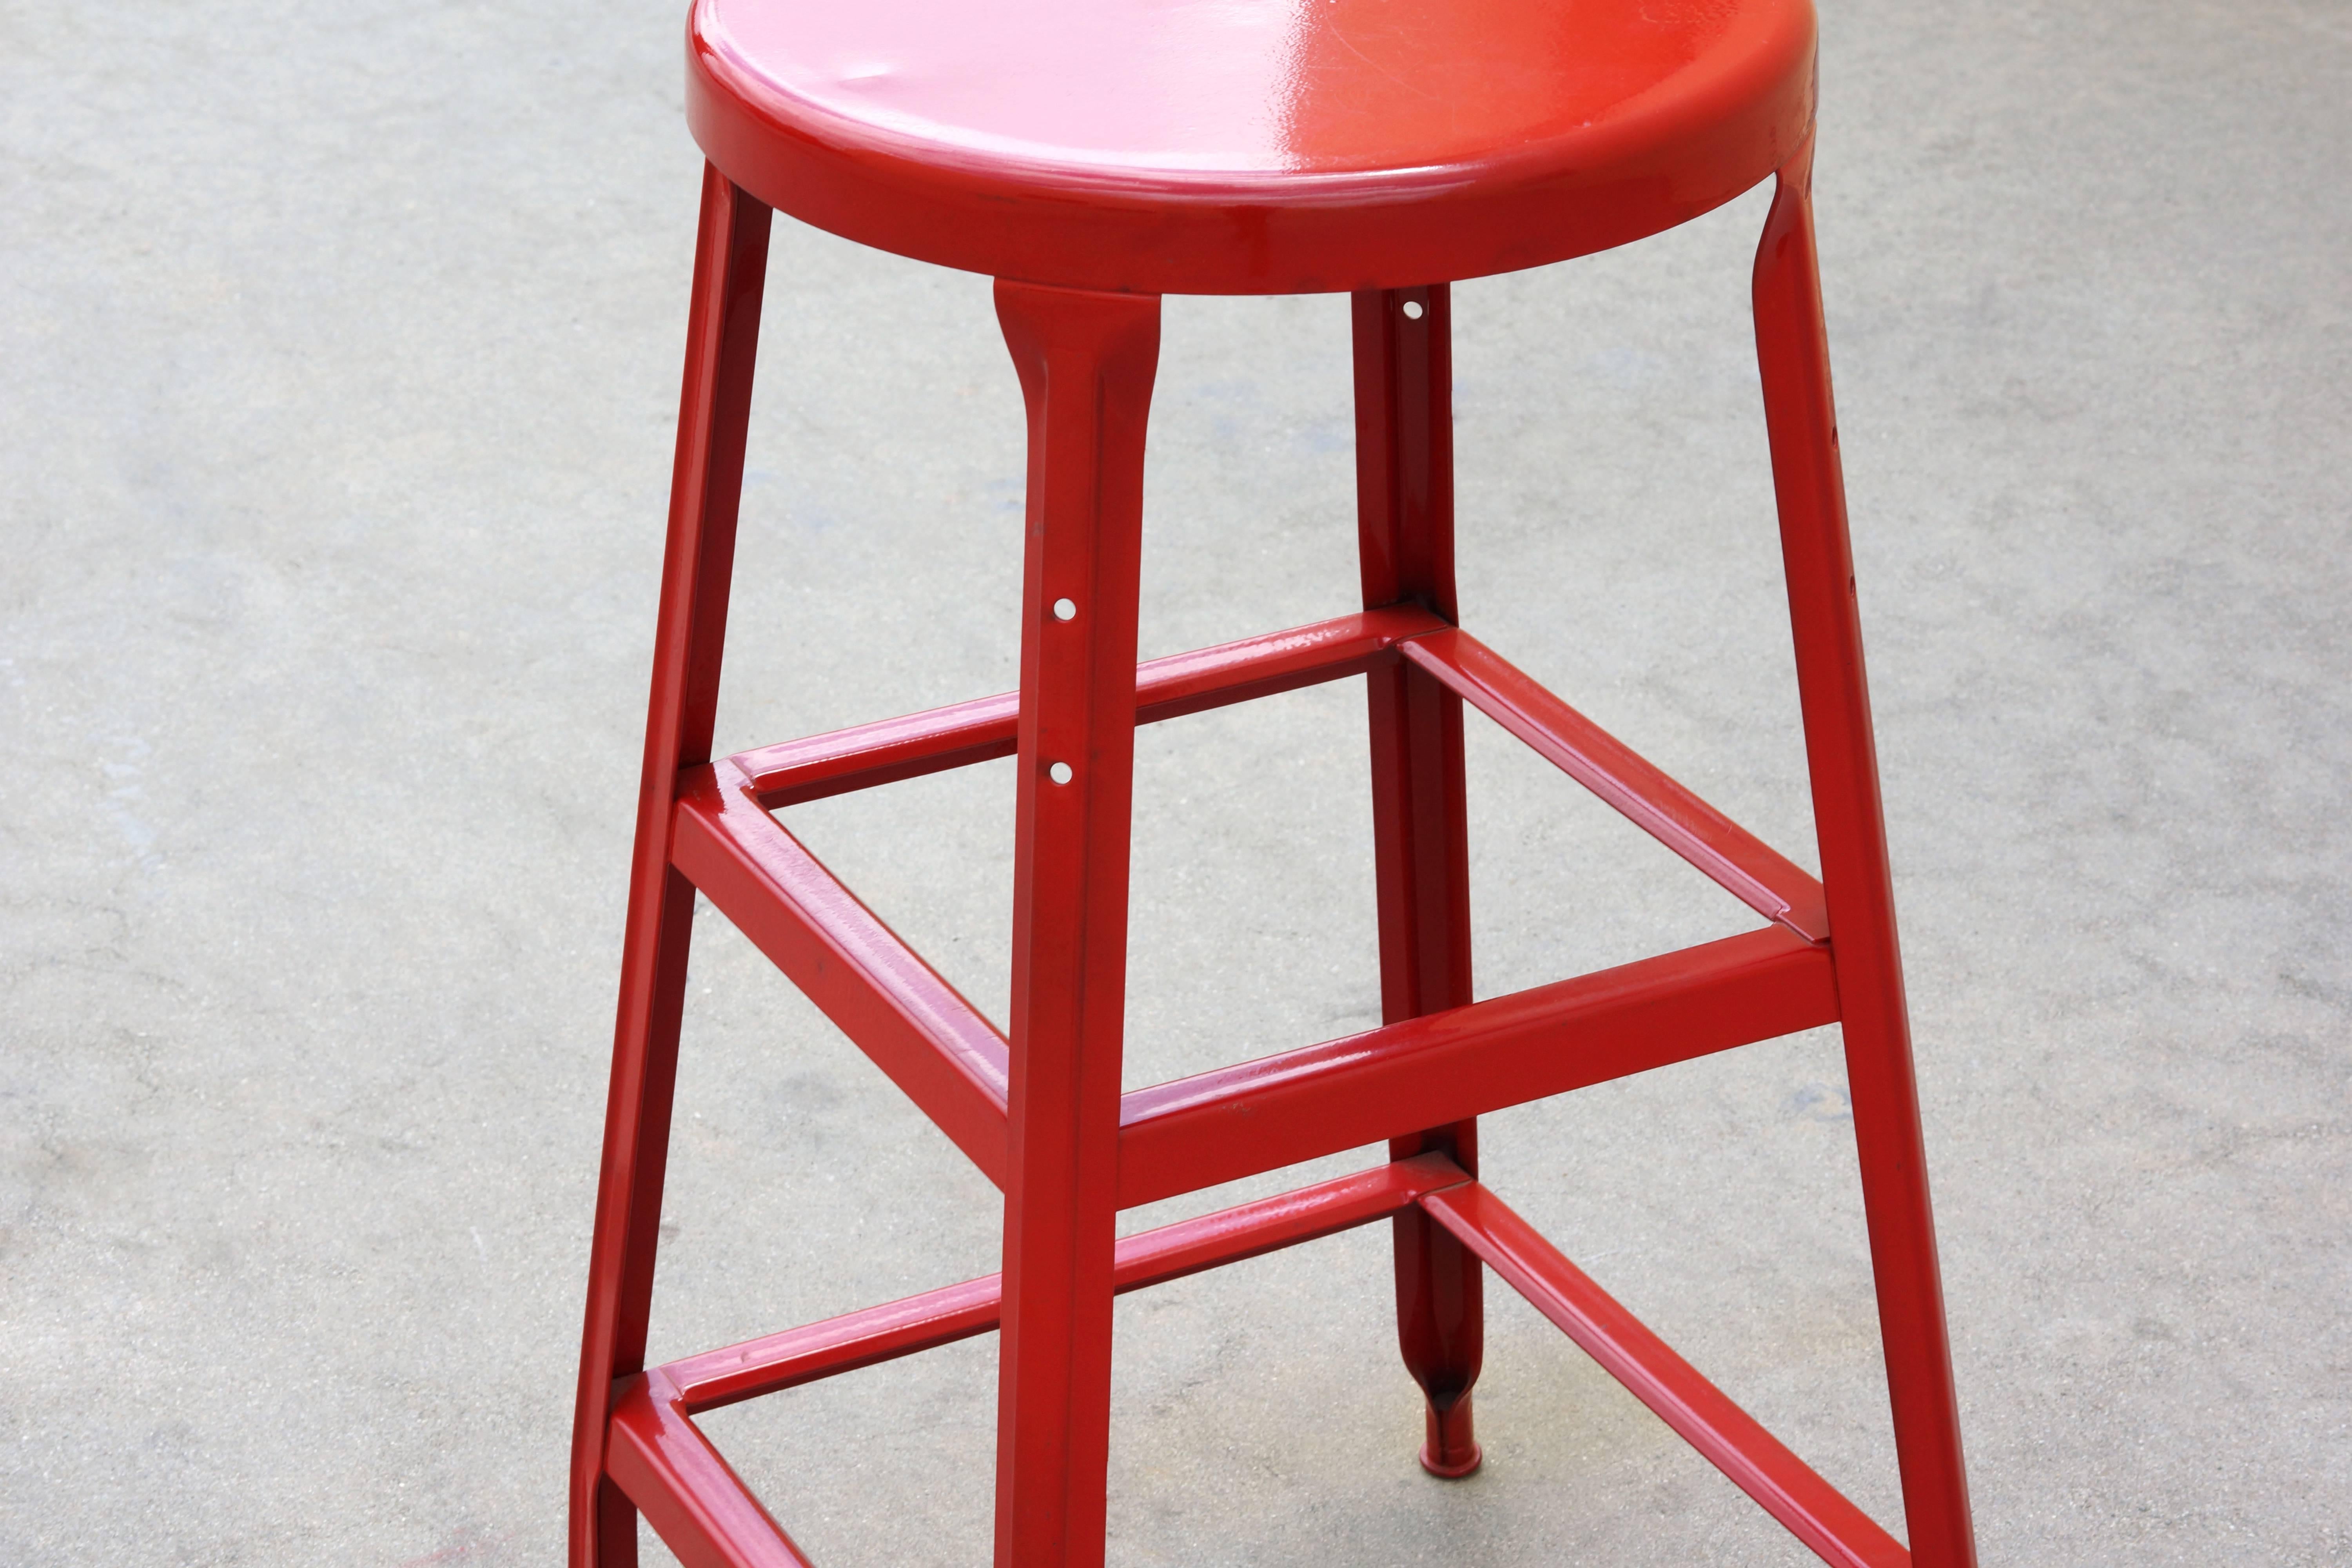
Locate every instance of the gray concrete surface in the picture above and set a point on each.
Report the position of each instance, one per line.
(338, 354)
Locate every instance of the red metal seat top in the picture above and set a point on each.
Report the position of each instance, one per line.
(1247, 146)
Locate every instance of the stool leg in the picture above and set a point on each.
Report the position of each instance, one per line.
(1086, 363)
(722, 336)
(1843, 761)
(1404, 487)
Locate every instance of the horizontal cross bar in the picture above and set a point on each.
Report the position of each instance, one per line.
(1743, 865)
(686, 1490)
(709, 1519)
(940, 1317)
(893, 749)
(1236, 1122)
(934, 1044)
(1815, 1511)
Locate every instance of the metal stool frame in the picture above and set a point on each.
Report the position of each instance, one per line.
(1042, 1114)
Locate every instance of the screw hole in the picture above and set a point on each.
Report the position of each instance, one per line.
(1065, 609)
(1412, 310)
(1059, 772)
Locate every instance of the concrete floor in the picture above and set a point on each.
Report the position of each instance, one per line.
(340, 349)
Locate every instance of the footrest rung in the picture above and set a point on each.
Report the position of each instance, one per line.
(1732, 857)
(700, 1507)
(781, 1360)
(1235, 1121)
(692, 1496)
(1815, 1511)
(939, 1048)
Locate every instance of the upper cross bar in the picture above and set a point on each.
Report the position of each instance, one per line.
(1296, 1105)
(1737, 861)
(796, 772)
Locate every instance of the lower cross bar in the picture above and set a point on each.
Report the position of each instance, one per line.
(781, 1360)
(1815, 1511)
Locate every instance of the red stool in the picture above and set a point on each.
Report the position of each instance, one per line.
(1091, 155)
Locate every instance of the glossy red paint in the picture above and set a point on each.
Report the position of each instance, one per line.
(703, 1509)
(1842, 756)
(690, 1495)
(1813, 1510)
(1236, 1122)
(711, 1519)
(1086, 363)
(722, 1377)
(1100, 151)
(1170, 688)
(917, 1028)
(1421, 842)
(1734, 859)
(1281, 147)
(722, 338)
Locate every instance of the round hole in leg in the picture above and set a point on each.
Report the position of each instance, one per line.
(1412, 310)
(1065, 609)
(1060, 773)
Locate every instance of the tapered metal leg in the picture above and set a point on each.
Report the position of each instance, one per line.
(722, 336)
(1841, 757)
(1404, 486)
(1086, 363)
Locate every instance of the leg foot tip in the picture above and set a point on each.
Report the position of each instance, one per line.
(1452, 1467)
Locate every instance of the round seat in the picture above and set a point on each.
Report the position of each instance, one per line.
(1248, 146)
